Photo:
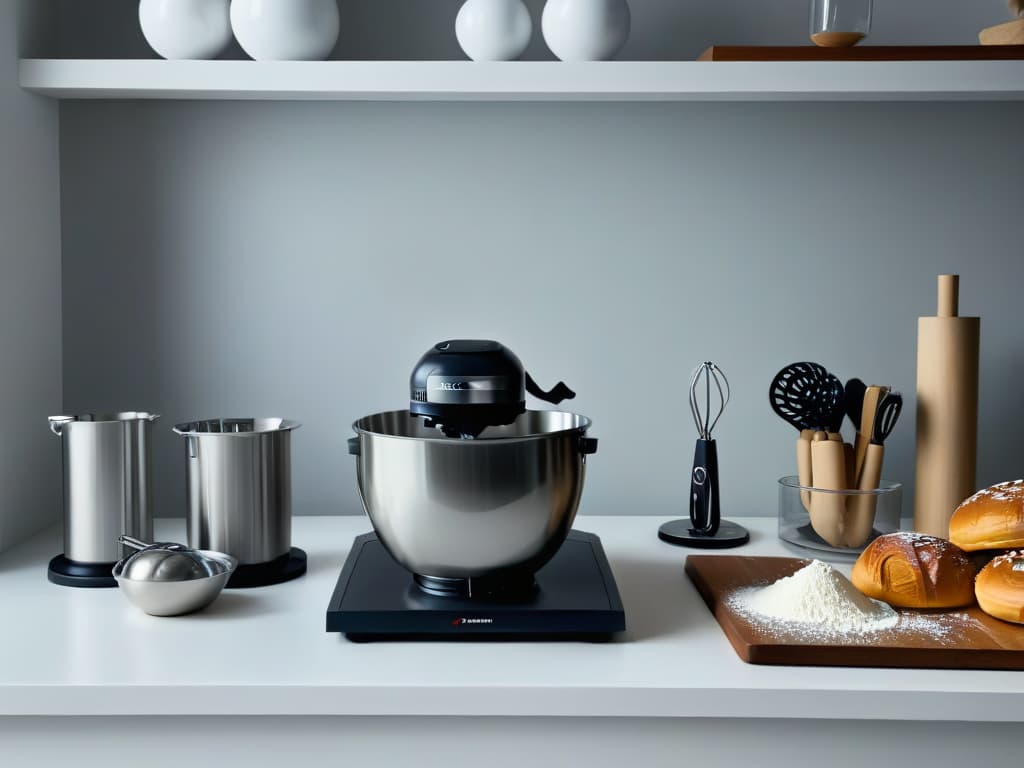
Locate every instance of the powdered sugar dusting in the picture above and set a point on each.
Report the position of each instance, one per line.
(1014, 559)
(925, 545)
(1008, 491)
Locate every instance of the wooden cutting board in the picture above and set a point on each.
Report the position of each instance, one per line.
(862, 53)
(965, 638)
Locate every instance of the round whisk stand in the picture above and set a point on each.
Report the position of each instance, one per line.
(683, 533)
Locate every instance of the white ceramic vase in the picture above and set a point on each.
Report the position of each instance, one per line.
(493, 30)
(186, 29)
(286, 30)
(585, 30)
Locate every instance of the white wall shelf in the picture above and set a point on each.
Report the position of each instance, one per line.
(526, 81)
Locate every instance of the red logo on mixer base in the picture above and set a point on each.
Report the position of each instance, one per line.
(462, 620)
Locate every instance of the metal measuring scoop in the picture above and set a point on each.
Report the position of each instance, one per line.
(168, 579)
(166, 561)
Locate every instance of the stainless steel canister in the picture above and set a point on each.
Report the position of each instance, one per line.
(107, 470)
(240, 487)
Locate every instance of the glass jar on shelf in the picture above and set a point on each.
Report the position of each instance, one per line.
(839, 23)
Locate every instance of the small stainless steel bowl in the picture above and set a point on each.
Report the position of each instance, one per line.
(465, 509)
(171, 580)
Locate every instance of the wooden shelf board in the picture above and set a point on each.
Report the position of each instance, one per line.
(864, 53)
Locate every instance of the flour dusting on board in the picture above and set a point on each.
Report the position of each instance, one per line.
(818, 600)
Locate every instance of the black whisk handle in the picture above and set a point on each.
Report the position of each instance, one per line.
(705, 511)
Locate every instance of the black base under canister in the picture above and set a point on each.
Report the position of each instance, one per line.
(284, 568)
(69, 573)
(682, 532)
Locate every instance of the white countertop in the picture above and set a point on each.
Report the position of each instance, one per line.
(67, 651)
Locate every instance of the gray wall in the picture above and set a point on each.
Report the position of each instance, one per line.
(295, 260)
(30, 309)
(662, 29)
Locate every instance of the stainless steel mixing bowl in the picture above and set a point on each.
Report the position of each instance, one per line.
(465, 509)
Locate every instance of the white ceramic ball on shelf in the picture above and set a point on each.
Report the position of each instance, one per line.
(286, 30)
(493, 30)
(186, 29)
(585, 30)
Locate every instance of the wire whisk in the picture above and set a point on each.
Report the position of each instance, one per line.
(709, 394)
(711, 374)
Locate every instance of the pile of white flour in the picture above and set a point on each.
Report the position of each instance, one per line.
(819, 598)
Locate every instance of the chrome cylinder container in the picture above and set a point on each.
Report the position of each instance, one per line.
(453, 508)
(240, 487)
(107, 469)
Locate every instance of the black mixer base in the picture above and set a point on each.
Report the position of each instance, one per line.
(575, 598)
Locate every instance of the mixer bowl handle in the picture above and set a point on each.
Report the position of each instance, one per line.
(353, 446)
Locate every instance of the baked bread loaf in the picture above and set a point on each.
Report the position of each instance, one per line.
(1000, 587)
(914, 570)
(990, 519)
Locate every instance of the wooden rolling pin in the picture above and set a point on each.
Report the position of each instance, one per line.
(947, 411)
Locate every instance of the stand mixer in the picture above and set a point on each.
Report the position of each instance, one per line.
(472, 498)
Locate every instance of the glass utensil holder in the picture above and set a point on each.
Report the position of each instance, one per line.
(838, 522)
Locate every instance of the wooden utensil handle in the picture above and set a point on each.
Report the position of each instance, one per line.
(949, 296)
(828, 510)
(851, 466)
(803, 465)
(872, 397)
(860, 517)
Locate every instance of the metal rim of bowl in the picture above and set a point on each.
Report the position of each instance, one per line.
(581, 428)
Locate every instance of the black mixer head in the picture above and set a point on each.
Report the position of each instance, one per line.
(464, 386)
